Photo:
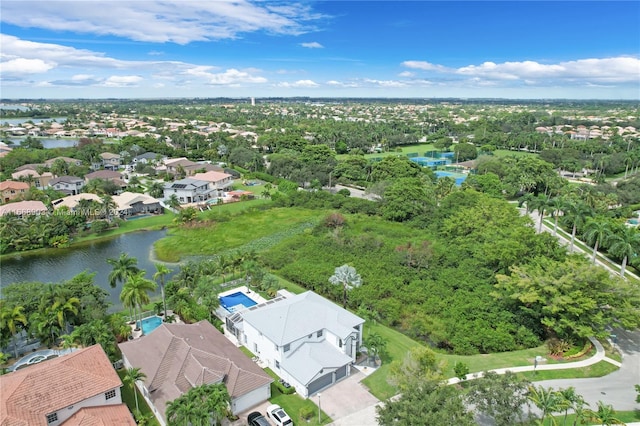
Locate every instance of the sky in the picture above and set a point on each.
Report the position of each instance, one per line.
(242, 48)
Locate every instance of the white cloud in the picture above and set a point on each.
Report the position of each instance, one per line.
(81, 77)
(25, 66)
(386, 83)
(312, 45)
(407, 74)
(122, 81)
(177, 21)
(623, 69)
(234, 76)
(299, 83)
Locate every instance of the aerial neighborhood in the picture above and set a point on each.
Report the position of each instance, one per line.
(318, 261)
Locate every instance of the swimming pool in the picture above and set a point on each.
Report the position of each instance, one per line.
(633, 221)
(235, 301)
(150, 324)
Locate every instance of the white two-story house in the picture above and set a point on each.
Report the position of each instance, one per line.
(307, 340)
(189, 190)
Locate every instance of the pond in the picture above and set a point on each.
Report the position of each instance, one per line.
(55, 265)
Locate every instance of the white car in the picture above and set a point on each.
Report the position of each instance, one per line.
(279, 416)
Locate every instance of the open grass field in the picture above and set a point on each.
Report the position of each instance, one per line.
(406, 149)
(250, 230)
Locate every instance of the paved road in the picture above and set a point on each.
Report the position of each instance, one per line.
(617, 388)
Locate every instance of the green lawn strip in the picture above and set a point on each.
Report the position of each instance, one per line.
(129, 399)
(624, 416)
(144, 224)
(501, 153)
(599, 369)
(251, 230)
(610, 351)
(293, 403)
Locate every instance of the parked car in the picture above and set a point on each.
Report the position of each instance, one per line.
(257, 419)
(279, 416)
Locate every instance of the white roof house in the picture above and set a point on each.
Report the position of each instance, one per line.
(306, 339)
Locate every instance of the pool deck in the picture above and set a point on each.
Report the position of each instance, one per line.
(137, 334)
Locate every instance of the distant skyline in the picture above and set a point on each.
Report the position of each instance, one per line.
(413, 49)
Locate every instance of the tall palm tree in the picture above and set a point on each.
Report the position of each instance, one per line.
(10, 319)
(555, 206)
(545, 399)
(347, 277)
(624, 243)
(123, 267)
(108, 206)
(136, 291)
(161, 272)
(567, 398)
(131, 377)
(577, 213)
(596, 231)
(62, 308)
(540, 203)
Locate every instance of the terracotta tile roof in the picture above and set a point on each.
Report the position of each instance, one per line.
(106, 415)
(24, 208)
(177, 357)
(9, 184)
(29, 394)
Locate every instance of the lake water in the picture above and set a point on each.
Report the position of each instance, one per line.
(37, 121)
(63, 264)
(50, 143)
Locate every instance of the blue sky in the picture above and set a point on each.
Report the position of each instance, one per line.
(425, 49)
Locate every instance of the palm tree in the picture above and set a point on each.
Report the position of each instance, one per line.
(135, 292)
(347, 277)
(567, 400)
(624, 243)
(545, 399)
(596, 231)
(64, 307)
(577, 213)
(131, 377)
(581, 410)
(605, 415)
(539, 203)
(156, 189)
(123, 267)
(10, 318)
(108, 205)
(555, 205)
(161, 272)
(174, 203)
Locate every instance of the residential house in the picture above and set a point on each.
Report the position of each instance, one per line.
(64, 391)
(131, 203)
(175, 166)
(32, 177)
(110, 161)
(12, 190)
(72, 201)
(108, 175)
(68, 160)
(305, 339)
(70, 185)
(148, 158)
(217, 180)
(189, 190)
(24, 208)
(178, 357)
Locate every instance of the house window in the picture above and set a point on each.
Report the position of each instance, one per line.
(286, 347)
(319, 334)
(309, 336)
(255, 348)
(277, 364)
(339, 343)
(110, 394)
(52, 418)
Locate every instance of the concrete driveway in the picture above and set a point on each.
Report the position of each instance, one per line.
(346, 397)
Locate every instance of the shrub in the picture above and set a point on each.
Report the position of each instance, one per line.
(558, 347)
(334, 220)
(345, 192)
(306, 413)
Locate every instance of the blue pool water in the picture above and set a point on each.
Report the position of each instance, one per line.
(230, 301)
(138, 217)
(150, 324)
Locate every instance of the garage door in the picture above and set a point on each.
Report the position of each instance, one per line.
(320, 383)
(341, 372)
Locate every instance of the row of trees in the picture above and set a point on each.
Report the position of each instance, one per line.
(506, 399)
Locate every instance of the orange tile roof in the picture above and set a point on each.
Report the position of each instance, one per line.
(106, 415)
(9, 184)
(29, 394)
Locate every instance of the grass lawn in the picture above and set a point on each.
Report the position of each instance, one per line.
(501, 153)
(406, 149)
(129, 399)
(624, 416)
(143, 224)
(599, 369)
(252, 230)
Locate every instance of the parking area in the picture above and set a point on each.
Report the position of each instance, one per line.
(346, 397)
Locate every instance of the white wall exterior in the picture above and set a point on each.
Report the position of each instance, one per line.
(95, 401)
